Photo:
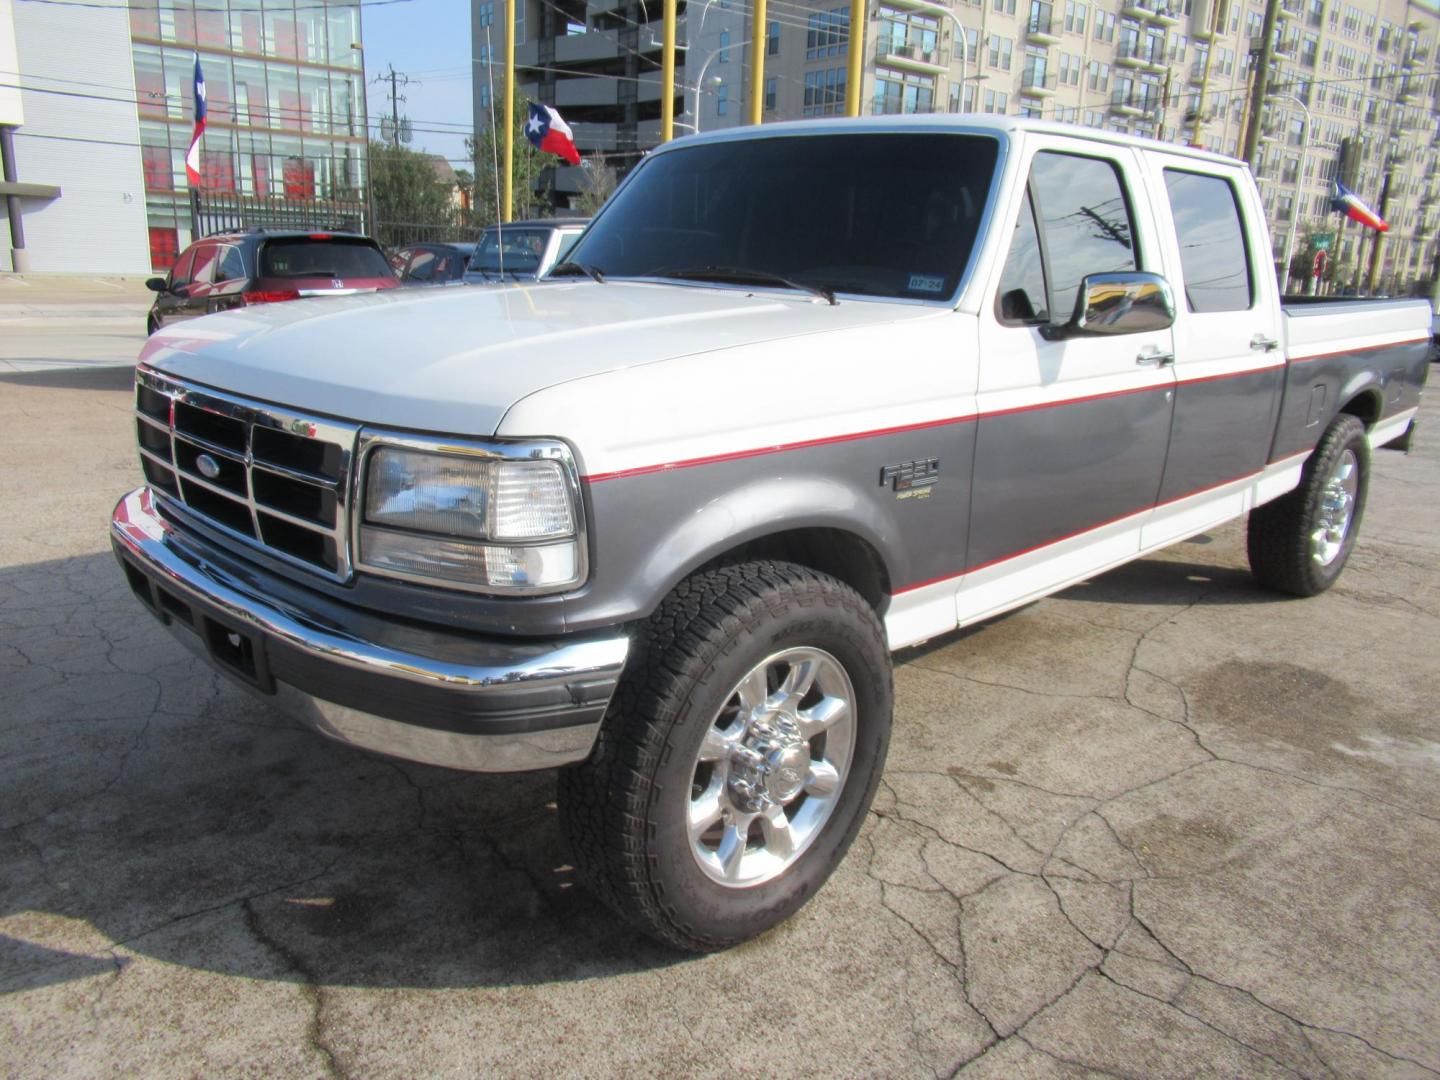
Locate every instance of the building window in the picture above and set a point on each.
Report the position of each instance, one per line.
(770, 93)
(772, 39)
(1005, 6)
(1074, 17)
(1001, 49)
(824, 92)
(723, 57)
(903, 92)
(995, 101)
(722, 100)
(1104, 26)
(827, 33)
(485, 13)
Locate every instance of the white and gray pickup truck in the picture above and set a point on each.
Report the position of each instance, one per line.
(813, 392)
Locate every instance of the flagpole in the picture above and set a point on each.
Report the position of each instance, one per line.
(509, 110)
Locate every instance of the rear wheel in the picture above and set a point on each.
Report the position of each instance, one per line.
(1300, 542)
(739, 757)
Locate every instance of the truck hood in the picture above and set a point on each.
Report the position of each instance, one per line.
(455, 360)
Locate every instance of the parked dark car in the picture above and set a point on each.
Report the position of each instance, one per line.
(431, 263)
(231, 270)
(523, 250)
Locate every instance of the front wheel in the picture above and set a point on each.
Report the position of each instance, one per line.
(1300, 542)
(739, 756)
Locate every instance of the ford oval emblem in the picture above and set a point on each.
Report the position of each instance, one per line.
(208, 466)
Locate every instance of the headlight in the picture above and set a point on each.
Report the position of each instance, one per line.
(473, 519)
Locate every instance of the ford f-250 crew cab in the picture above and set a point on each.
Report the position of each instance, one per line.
(816, 391)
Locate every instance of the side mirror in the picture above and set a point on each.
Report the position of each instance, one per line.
(156, 284)
(1127, 303)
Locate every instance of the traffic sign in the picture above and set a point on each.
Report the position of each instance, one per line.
(1321, 241)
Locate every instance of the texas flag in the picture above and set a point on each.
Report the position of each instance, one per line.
(551, 134)
(192, 156)
(1346, 202)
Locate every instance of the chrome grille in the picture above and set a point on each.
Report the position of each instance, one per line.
(276, 479)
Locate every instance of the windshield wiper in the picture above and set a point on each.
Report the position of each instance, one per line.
(574, 269)
(739, 275)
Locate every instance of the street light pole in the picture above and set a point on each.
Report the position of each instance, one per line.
(1299, 184)
(937, 9)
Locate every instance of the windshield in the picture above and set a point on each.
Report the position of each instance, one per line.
(522, 252)
(336, 257)
(883, 214)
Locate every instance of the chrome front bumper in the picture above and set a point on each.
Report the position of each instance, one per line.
(455, 700)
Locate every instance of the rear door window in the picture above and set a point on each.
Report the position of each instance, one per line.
(422, 267)
(1214, 260)
(206, 256)
(231, 266)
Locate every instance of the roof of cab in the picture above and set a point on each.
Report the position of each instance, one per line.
(967, 123)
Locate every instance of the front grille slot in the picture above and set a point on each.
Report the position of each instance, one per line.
(230, 474)
(221, 431)
(273, 479)
(321, 460)
(294, 497)
(301, 542)
(227, 511)
(158, 476)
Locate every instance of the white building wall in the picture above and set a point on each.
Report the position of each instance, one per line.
(83, 138)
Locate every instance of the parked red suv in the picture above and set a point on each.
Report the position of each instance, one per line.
(263, 266)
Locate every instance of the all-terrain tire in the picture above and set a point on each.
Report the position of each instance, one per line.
(1281, 539)
(624, 809)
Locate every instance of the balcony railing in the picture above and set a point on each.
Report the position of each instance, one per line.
(1037, 82)
(1044, 27)
(895, 49)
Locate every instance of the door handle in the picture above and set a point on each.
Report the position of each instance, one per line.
(1153, 357)
(1261, 343)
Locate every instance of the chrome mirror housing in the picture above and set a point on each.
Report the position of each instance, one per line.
(1126, 303)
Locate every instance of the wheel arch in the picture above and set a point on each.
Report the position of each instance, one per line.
(813, 521)
(1365, 404)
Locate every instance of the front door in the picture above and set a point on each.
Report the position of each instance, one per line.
(1071, 435)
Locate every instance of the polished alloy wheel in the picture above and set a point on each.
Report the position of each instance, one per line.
(1337, 503)
(771, 767)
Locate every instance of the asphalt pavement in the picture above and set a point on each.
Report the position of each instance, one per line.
(1162, 824)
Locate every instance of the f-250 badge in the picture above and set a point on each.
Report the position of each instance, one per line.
(911, 479)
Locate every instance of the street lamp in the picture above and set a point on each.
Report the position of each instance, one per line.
(700, 80)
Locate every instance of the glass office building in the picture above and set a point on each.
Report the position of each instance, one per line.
(285, 89)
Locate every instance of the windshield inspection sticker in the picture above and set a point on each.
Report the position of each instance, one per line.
(926, 283)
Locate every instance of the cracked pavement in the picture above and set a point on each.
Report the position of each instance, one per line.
(1161, 824)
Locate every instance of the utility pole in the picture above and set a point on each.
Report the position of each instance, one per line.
(1261, 71)
(1377, 245)
(1205, 75)
(396, 80)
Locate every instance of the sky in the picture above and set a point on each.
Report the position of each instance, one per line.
(428, 40)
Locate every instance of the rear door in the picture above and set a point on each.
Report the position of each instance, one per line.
(1070, 447)
(1229, 362)
(202, 279)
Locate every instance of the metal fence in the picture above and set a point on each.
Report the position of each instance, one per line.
(221, 211)
(394, 234)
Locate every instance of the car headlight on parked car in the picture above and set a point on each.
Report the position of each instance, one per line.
(472, 517)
